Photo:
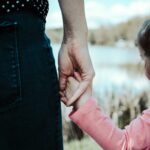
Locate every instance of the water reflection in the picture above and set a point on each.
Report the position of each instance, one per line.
(110, 75)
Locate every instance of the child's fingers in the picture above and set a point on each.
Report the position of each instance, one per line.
(62, 94)
(63, 98)
(77, 76)
(81, 88)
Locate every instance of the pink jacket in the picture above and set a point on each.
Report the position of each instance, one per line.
(92, 120)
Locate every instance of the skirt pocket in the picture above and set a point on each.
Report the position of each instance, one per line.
(10, 83)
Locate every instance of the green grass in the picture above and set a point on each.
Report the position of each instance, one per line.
(85, 144)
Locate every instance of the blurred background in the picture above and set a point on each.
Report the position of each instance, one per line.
(120, 84)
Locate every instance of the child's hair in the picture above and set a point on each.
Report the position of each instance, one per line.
(143, 38)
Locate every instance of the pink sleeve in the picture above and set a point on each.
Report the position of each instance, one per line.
(92, 120)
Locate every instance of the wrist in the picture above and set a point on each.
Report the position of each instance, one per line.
(75, 36)
(82, 101)
(75, 43)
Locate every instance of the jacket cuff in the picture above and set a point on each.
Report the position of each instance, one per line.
(76, 115)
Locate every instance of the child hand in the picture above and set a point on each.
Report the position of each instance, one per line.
(72, 86)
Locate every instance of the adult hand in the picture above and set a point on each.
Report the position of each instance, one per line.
(74, 56)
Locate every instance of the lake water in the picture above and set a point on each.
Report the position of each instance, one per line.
(109, 76)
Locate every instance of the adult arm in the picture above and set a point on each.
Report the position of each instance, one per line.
(92, 120)
(74, 54)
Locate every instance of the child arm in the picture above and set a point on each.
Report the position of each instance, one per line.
(100, 127)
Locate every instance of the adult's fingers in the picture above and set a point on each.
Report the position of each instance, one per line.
(62, 82)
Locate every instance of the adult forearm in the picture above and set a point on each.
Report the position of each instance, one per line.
(74, 48)
(74, 21)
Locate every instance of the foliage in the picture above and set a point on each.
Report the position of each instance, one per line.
(106, 34)
(85, 144)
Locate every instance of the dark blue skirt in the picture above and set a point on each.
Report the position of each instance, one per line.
(30, 114)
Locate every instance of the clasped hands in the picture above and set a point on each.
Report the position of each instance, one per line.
(75, 72)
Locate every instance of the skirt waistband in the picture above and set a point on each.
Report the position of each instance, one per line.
(26, 20)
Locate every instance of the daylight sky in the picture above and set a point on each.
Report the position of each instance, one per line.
(100, 12)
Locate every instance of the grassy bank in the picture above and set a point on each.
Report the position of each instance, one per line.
(84, 144)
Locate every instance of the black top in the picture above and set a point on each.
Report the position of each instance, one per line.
(38, 6)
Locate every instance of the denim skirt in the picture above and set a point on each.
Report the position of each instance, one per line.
(30, 113)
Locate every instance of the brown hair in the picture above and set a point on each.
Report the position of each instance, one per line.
(143, 38)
